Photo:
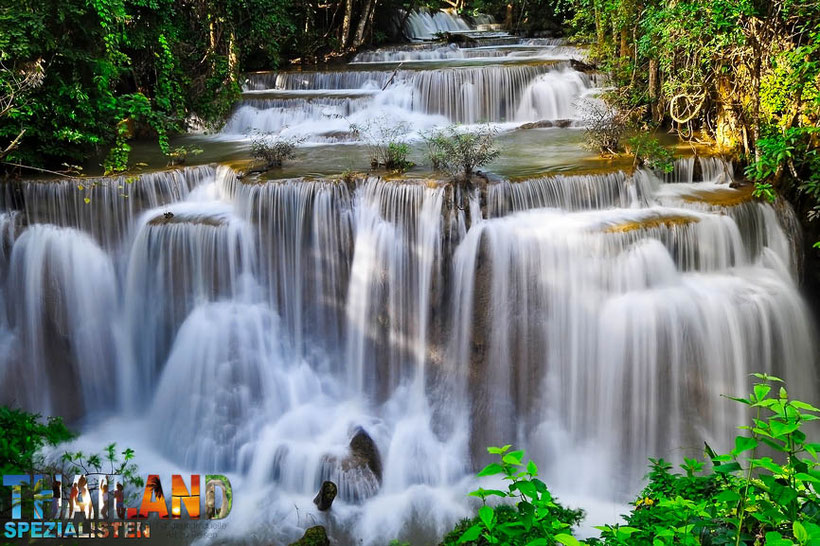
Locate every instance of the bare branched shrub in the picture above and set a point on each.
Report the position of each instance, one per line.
(604, 126)
(273, 150)
(15, 84)
(460, 152)
(385, 141)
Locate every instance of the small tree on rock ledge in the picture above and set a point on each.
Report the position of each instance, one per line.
(272, 150)
(460, 152)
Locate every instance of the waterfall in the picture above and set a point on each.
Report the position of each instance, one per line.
(304, 229)
(104, 207)
(594, 302)
(380, 332)
(387, 337)
(183, 255)
(64, 292)
(423, 98)
(423, 25)
(552, 96)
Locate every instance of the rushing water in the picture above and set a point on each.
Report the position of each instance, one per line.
(269, 329)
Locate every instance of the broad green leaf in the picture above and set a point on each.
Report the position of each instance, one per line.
(782, 429)
(481, 492)
(743, 443)
(800, 532)
(487, 516)
(513, 457)
(491, 470)
(804, 406)
(729, 496)
(727, 468)
(762, 390)
(470, 534)
(567, 540)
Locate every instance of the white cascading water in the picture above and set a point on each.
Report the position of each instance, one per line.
(423, 25)
(380, 333)
(504, 84)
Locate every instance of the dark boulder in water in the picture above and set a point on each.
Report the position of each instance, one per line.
(547, 123)
(325, 496)
(364, 453)
(358, 475)
(314, 536)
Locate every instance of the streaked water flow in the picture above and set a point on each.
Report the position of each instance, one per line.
(380, 332)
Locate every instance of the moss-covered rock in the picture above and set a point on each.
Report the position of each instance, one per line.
(314, 536)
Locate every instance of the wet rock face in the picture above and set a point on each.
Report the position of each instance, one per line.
(546, 124)
(358, 476)
(314, 536)
(364, 453)
(325, 496)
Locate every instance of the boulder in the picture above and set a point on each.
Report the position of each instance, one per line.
(581, 66)
(364, 453)
(546, 123)
(314, 536)
(324, 498)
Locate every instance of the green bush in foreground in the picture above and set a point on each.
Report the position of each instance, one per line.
(764, 492)
(536, 517)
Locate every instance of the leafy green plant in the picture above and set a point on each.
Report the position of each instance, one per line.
(179, 155)
(763, 491)
(273, 150)
(534, 518)
(23, 436)
(649, 152)
(98, 466)
(384, 139)
(460, 152)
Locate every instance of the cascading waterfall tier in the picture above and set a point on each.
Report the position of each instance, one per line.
(61, 296)
(423, 25)
(103, 207)
(381, 332)
(423, 98)
(182, 255)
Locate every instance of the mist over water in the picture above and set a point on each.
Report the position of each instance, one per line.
(381, 333)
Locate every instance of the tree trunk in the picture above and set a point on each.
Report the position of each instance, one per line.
(369, 6)
(599, 26)
(624, 50)
(653, 90)
(346, 23)
(756, 47)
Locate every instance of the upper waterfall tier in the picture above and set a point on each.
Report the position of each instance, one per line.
(424, 25)
(426, 98)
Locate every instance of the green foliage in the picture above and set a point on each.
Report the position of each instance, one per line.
(764, 488)
(384, 139)
(649, 152)
(460, 152)
(273, 150)
(110, 462)
(764, 491)
(179, 155)
(793, 151)
(535, 518)
(23, 436)
(396, 159)
(741, 72)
